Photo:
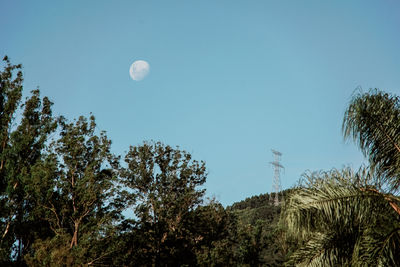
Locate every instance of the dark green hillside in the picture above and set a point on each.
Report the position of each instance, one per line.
(257, 201)
(260, 239)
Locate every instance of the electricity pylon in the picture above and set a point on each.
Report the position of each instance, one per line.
(277, 172)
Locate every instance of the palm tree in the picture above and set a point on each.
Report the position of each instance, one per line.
(372, 120)
(341, 218)
(347, 218)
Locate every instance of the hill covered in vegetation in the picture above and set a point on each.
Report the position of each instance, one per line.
(260, 232)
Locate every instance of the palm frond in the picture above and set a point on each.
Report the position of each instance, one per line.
(372, 120)
(341, 217)
(320, 250)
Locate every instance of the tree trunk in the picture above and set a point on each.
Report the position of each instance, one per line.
(3, 147)
(74, 241)
(6, 231)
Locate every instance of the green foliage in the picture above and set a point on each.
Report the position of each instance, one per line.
(342, 218)
(75, 194)
(372, 120)
(171, 226)
(22, 144)
(259, 237)
(216, 235)
(10, 97)
(347, 218)
(252, 202)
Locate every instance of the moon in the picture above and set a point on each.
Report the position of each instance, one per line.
(139, 70)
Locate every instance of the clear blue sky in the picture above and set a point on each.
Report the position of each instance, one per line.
(229, 80)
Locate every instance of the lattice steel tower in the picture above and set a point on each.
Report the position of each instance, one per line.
(277, 173)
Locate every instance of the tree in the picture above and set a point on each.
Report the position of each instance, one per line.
(259, 238)
(22, 144)
(372, 120)
(340, 218)
(348, 218)
(27, 144)
(10, 97)
(77, 203)
(164, 193)
(216, 231)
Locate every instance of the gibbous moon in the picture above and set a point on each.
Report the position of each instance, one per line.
(139, 69)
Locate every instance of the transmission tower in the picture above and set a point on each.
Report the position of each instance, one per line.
(277, 172)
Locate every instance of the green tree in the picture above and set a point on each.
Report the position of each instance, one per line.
(77, 197)
(22, 144)
(164, 194)
(215, 229)
(372, 120)
(259, 240)
(353, 219)
(341, 218)
(27, 143)
(10, 97)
